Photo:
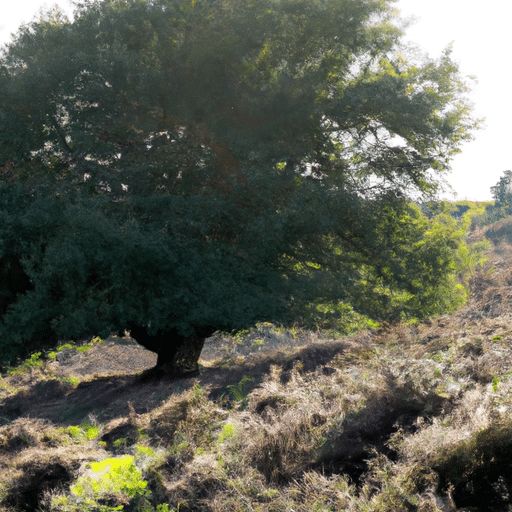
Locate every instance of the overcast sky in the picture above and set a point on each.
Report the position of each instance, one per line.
(480, 32)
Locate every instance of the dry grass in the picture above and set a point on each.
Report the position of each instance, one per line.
(402, 419)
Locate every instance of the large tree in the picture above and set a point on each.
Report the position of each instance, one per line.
(174, 167)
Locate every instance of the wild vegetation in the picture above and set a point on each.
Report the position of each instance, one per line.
(176, 167)
(404, 417)
(261, 172)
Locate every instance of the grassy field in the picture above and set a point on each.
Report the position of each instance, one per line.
(403, 418)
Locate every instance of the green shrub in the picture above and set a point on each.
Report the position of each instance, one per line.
(114, 480)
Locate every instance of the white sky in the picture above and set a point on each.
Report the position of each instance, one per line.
(480, 33)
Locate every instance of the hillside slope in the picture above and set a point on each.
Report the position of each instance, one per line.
(404, 418)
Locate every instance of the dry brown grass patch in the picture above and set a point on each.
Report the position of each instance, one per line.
(39, 470)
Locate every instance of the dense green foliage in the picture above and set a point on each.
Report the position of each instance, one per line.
(417, 249)
(180, 163)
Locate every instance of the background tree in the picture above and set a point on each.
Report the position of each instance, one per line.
(175, 167)
(502, 192)
(501, 207)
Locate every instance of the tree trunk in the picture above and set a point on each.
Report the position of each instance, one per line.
(178, 355)
(14, 281)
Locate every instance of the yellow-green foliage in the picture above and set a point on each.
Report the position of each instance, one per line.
(34, 361)
(87, 346)
(70, 380)
(227, 432)
(109, 478)
(85, 432)
(454, 256)
(467, 257)
(424, 275)
(70, 346)
(145, 456)
(65, 346)
(475, 207)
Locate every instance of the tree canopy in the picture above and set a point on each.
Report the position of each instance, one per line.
(189, 165)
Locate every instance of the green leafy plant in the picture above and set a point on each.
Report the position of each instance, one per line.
(65, 346)
(34, 361)
(227, 432)
(239, 391)
(122, 442)
(71, 381)
(495, 383)
(114, 478)
(87, 346)
(84, 432)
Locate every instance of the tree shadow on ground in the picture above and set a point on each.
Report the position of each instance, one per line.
(109, 397)
(105, 398)
(308, 358)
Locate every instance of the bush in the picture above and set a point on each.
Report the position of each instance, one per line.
(106, 486)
